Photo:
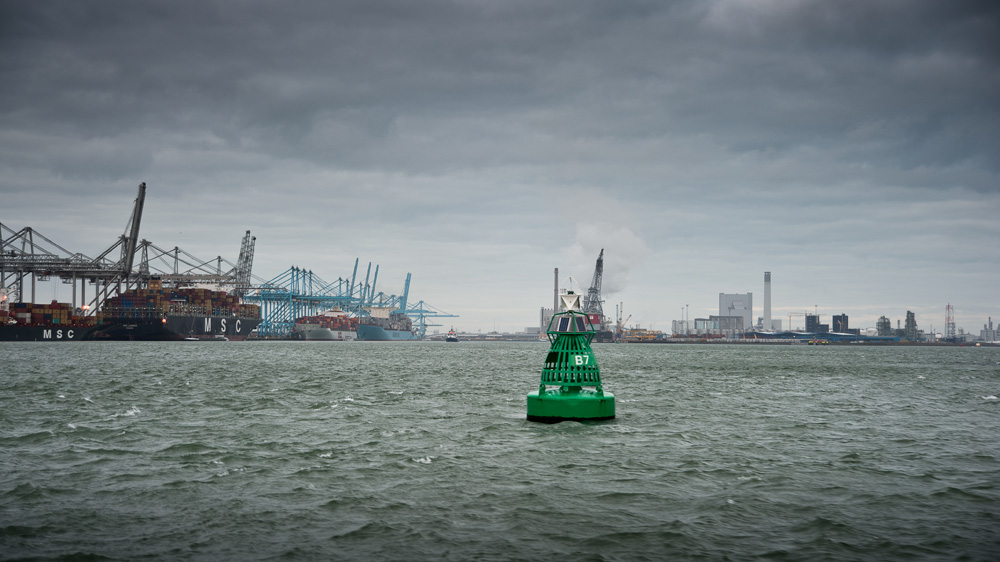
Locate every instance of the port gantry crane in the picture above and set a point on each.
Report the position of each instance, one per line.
(25, 253)
(293, 294)
(418, 312)
(299, 292)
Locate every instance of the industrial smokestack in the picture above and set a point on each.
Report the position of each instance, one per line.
(767, 301)
(555, 294)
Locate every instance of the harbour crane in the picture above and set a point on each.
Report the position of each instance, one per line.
(244, 264)
(27, 253)
(621, 327)
(592, 303)
(790, 314)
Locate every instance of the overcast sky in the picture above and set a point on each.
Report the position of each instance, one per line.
(852, 148)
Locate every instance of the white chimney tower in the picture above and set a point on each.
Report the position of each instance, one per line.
(555, 293)
(767, 302)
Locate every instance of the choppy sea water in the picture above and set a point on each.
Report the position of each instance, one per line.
(420, 451)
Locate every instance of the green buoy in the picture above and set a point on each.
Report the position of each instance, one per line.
(570, 389)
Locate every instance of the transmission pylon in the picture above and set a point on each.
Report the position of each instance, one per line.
(949, 323)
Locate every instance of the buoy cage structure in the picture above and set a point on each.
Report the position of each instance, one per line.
(570, 388)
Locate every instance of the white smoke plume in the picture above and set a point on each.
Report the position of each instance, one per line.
(623, 251)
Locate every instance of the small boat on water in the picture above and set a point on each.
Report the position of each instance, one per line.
(452, 336)
(217, 337)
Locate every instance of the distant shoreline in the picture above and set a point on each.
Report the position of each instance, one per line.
(819, 343)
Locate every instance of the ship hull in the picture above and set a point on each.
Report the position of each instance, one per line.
(312, 332)
(174, 327)
(604, 336)
(44, 333)
(368, 332)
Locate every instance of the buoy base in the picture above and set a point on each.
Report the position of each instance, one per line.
(561, 404)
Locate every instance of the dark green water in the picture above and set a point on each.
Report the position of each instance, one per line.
(420, 451)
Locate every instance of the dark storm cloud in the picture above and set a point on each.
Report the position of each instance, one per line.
(666, 122)
(271, 76)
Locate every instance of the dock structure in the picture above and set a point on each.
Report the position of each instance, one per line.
(131, 263)
(299, 292)
(27, 256)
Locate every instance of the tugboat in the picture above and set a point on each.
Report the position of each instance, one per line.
(570, 387)
(452, 336)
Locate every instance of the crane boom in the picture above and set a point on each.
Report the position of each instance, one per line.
(128, 251)
(592, 303)
(244, 264)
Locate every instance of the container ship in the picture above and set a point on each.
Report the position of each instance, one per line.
(158, 314)
(43, 322)
(332, 325)
(138, 314)
(385, 325)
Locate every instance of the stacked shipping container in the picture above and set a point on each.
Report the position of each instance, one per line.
(136, 303)
(335, 323)
(56, 314)
(146, 303)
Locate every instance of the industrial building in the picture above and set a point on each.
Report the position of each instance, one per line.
(735, 321)
(840, 323)
(988, 333)
(813, 324)
(731, 326)
(740, 305)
